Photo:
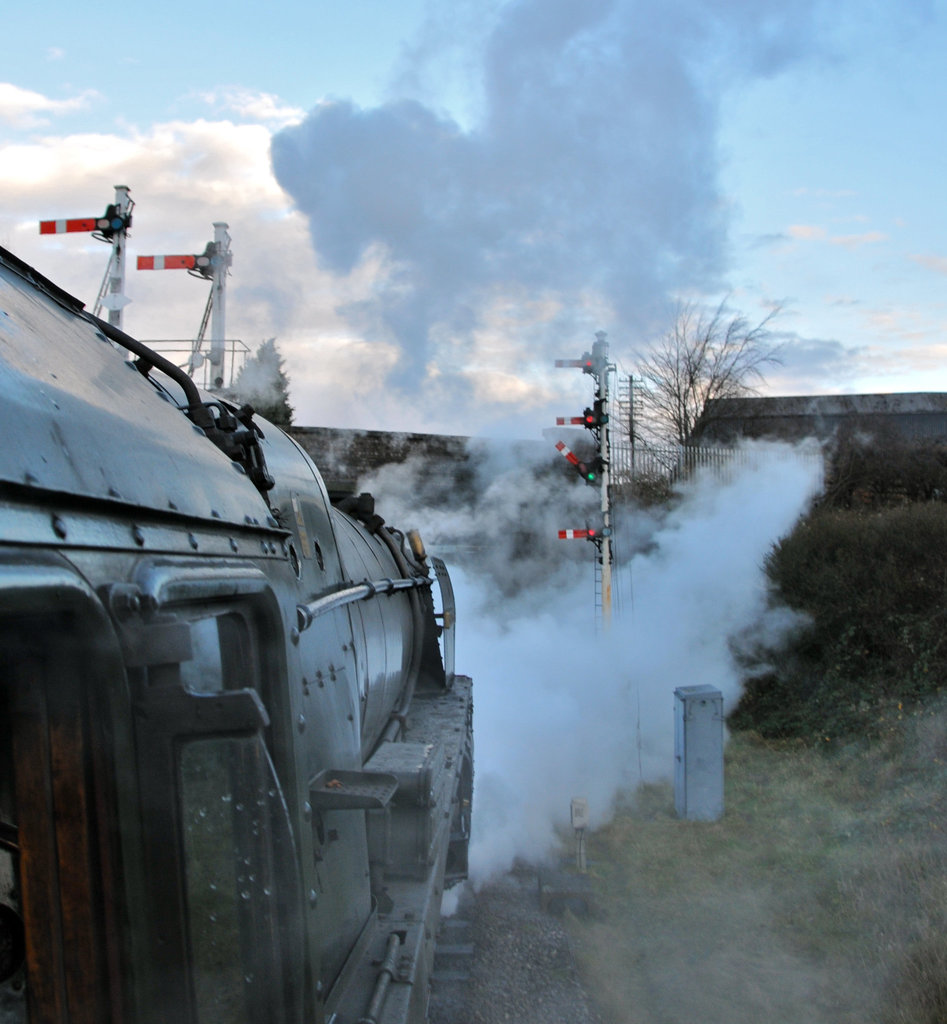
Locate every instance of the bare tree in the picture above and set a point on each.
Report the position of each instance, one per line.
(705, 356)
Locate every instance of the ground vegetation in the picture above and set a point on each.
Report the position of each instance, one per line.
(821, 894)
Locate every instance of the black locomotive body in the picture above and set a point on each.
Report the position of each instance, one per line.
(235, 761)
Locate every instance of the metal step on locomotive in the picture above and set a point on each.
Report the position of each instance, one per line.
(235, 759)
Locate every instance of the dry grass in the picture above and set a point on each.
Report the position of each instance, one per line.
(821, 896)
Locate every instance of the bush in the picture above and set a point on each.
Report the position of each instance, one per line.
(918, 993)
(873, 467)
(874, 588)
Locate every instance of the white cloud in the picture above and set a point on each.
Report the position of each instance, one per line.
(824, 193)
(806, 232)
(903, 324)
(938, 264)
(857, 241)
(816, 233)
(23, 108)
(261, 107)
(183, 177)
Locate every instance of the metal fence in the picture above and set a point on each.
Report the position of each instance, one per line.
(656, 462)
(631, 463)
(194, 357)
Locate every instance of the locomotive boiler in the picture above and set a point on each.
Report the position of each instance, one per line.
(235, 759)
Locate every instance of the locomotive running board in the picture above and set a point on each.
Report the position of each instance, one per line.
(348, 790)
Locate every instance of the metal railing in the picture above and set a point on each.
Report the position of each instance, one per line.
(673, 463)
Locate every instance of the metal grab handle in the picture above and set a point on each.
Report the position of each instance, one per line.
(305, 613)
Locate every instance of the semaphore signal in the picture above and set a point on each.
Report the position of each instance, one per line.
(111, 227)
(166, 262)
(211, 265)
(594, 471)
(589, 471)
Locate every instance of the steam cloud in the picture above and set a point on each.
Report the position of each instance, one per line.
(560, 711)
(588, 178)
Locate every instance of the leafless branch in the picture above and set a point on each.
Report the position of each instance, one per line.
(704, 356)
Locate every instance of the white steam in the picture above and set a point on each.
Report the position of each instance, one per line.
(561, 711)
(587, 178)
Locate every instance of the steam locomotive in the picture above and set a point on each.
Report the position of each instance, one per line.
(235, 759)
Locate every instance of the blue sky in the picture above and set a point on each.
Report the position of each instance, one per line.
(430, 202)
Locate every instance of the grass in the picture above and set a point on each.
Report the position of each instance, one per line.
(820, 896)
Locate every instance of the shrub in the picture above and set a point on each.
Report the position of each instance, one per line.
(874, 588)
(918, 993)
(874, 466)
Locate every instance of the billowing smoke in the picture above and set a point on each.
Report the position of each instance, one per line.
(496, 517)
(585, 184)
(564, 711)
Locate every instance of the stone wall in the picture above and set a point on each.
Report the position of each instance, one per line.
(346, 456)
(910, 415)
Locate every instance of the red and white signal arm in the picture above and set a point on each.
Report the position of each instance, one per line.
(59, 227)
(167, 262)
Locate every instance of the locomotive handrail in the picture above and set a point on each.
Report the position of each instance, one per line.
(305, 613)
(156, 360)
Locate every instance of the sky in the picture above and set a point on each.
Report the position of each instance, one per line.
(430, 202)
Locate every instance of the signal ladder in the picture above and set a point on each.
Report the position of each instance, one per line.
(599, 612)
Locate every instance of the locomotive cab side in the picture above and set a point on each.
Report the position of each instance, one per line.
(235, 770)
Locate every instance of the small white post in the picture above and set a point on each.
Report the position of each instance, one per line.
(580, 822)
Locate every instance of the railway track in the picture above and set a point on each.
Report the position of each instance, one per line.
(505, 956)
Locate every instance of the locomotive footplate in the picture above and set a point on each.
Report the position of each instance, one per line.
(337, 790)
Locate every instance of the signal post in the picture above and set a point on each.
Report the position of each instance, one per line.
(212, 265)
(595, 472)
(111, 227)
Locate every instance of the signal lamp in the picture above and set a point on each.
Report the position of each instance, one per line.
(596, 416)
(112, 221)
(592, 470)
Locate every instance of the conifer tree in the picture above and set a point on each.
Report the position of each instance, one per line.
(262, 382)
